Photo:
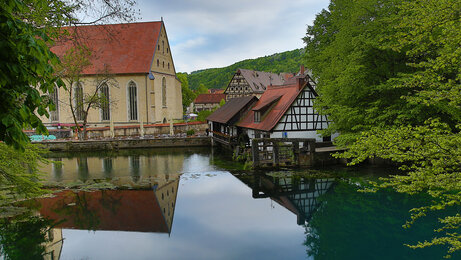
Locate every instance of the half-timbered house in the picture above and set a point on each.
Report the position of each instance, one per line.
(286, 111)
(252, 83)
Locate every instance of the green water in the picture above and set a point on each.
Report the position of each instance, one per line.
(197, 204)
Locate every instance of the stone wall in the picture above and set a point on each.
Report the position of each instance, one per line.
(114, 144)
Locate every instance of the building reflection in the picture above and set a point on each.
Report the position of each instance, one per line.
(114, 210)
(144, 201)
(53, 247)
(297, 194)
(143, 170)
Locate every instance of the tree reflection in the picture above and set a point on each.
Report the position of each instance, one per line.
(135, 168)
(24, 236)
(354, 225)
(82, 168)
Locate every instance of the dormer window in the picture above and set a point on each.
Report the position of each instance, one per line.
(257, 116)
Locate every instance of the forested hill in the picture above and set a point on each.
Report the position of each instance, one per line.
(288, 61)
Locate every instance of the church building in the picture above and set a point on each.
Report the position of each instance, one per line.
(138, 58)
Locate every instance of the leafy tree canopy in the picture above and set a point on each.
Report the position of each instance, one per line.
(188, 95)
(26, 69)
(389, 75)
(202, 89)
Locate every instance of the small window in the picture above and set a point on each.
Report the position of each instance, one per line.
(168, 65)
(158, 47)
(167, 49)
(257, 116)
(163, 64)
(158, 63)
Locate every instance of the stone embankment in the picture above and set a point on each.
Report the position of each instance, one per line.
(126, 143)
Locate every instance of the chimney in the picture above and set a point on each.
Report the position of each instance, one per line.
(300, 81)
(302, 70)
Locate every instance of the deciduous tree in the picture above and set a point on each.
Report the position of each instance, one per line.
(188, 95)
(389, 77)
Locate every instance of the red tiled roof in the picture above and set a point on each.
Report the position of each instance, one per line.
(288, 94)
(267, 102)
(125, 48)
(209, 98)
(128, 210)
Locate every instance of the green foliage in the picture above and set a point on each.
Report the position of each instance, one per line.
(431, 157)
(218, 78)
(222, 102)
(202, 115)
(376, 220)
(24, 237)
(188, 95)
(202, 89)
(19, 173)
(27, 74)
(190, 132)
(389, 77)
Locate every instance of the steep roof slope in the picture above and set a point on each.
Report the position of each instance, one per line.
(259, 80)
(283, 96)
(232, 107)
(124, 48)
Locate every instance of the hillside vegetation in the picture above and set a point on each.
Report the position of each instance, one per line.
(218, 78)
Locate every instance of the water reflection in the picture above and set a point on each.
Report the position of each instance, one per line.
(216, 214)
(30, 236)
(297, 194)
(138, 169)
(113, 210)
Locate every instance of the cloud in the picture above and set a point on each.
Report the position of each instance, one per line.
(209, 33)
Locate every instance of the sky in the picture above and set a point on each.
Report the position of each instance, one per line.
(215, 33)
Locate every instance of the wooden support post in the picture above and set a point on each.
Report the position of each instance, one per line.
(296, 153)
(275, 153)
(255, 153)
(312, 151)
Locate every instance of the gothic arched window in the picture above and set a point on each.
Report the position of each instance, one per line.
(79, 101)
(105, 110)
(132, 101)
(54, 97)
